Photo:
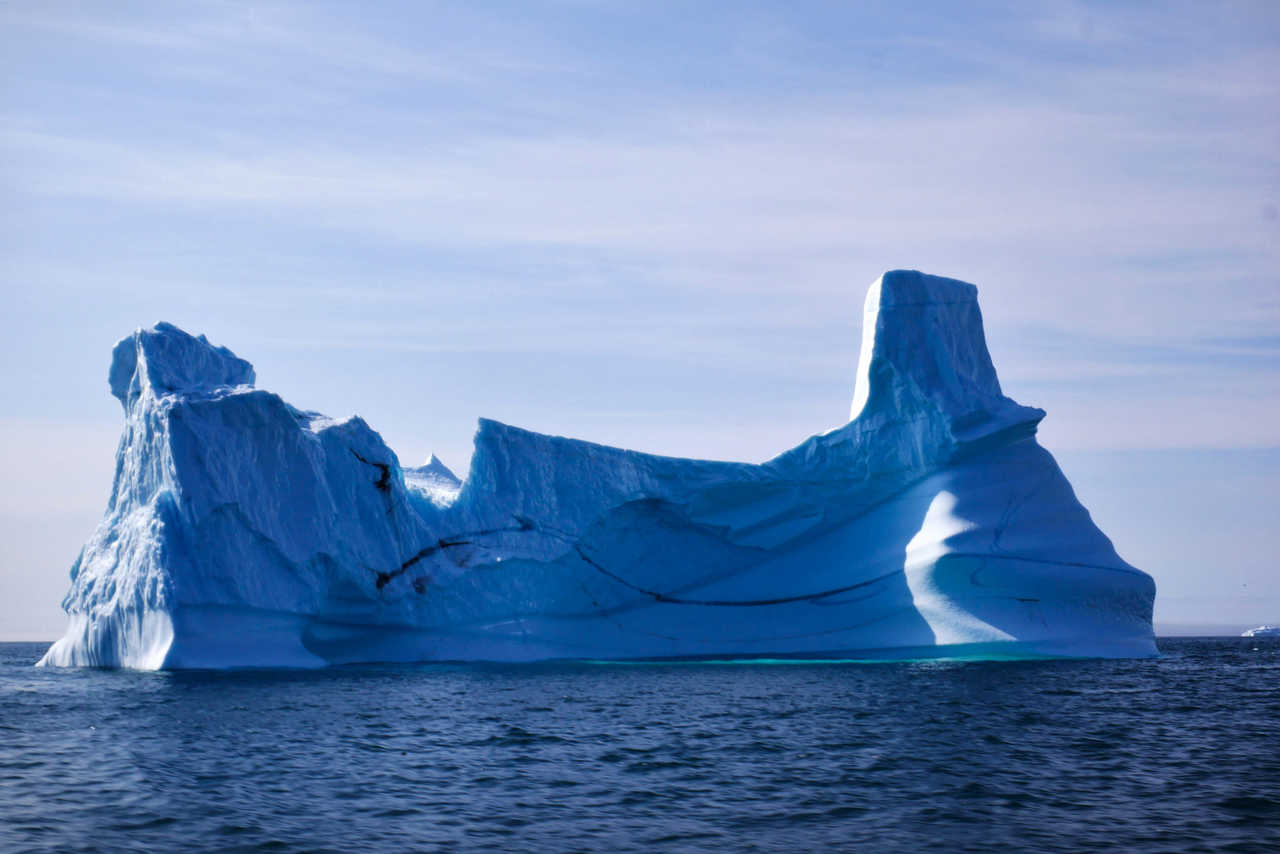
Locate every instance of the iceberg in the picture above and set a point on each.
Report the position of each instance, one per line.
(1266, 631)
(244, 532)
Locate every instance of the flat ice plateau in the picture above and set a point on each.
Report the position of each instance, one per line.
(242, 532)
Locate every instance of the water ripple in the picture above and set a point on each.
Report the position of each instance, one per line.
(1168, 755)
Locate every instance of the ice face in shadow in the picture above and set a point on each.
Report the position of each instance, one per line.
(243, 532)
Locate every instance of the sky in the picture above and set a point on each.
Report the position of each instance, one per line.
(653, 225)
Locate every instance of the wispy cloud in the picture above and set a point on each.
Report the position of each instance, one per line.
(647, 224)
(464, 177)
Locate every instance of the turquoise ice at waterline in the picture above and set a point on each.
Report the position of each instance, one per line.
(244, 532)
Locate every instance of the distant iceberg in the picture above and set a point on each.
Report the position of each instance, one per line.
(1267, 631)
(243, 532)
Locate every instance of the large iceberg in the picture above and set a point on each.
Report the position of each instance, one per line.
(242, 531)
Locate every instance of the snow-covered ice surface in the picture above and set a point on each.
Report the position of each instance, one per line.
(244, 532)
(1267, 631)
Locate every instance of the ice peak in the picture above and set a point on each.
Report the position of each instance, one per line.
(166, 359)
(434, 467)
(922, 341)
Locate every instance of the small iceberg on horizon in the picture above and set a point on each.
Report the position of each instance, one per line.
(244, 532)
(1264, 631)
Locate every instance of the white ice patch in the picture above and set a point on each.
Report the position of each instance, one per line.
(950, 622)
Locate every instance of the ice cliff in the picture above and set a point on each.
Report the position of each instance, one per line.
(242, 531)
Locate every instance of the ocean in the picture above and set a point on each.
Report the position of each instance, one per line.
(1178, 754)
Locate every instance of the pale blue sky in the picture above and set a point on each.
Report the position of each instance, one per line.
(652, 224)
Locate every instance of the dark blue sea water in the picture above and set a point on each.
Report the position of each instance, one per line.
(1176, 754)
